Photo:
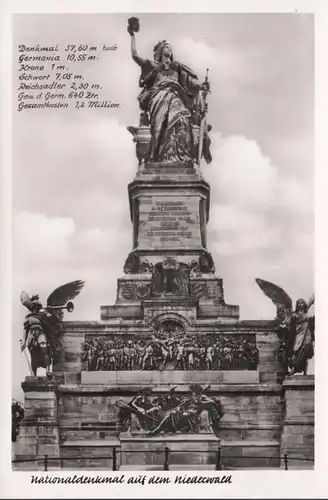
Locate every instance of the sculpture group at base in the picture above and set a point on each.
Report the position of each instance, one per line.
(296, 328)
(171, 413)
(170, 348)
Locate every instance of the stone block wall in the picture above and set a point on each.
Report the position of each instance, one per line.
(39, 431)
(250, 428)
(297, 437)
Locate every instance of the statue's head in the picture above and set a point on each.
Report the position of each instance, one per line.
(35, 304)
(161, 49)
(301, 306)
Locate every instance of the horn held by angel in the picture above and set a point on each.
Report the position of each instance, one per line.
(43, 325)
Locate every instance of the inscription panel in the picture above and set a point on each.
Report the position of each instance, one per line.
(170, 221)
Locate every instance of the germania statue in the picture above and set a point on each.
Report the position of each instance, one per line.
(173, 106)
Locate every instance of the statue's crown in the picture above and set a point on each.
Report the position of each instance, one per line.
(158, 49)
(159, 45)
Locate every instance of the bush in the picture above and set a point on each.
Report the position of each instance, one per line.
(17, 414)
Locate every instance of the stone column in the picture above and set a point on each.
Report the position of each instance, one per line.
(267, 342)
(39, 432)
(297, 439)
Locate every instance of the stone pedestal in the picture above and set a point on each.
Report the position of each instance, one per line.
(169, 209)
(297, 439)
(185, 452)
(89, 454)
(39, 432)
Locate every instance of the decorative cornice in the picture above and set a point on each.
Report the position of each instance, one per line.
(40, 384)
(259, 325)
(299, 382)
(183, 389)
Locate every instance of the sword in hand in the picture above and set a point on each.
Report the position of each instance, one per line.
(205, 89)
(23, 346)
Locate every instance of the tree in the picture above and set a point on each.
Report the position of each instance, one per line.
(17, 414)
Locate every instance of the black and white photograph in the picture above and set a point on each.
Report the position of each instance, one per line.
(163, 246)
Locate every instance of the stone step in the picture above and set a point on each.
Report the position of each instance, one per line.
(174, 377)
(149, 454)
(256, 454)
(86, 455)
(183, 467)
(227, 434)
(252, 468)
(91, 443)
(201, 453)
(160, 468)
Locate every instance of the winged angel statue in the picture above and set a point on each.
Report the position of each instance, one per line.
(43, 325)
(296, 327)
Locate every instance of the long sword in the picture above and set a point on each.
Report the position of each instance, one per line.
(28, 362)
(202, 123)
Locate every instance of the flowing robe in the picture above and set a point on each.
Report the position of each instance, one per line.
(302, 341)
(169, 96)
(36, 341)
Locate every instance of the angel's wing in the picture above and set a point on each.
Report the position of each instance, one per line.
(279, 297)
(184, 268)
(311, 301)
(146, 266)
(62, 294)
(194, 265)
(26, 300)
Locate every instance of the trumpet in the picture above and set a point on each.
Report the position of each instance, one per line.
(69, 307)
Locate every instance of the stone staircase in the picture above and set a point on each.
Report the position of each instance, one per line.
(97, 454)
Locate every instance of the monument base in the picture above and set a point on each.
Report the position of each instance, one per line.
(196, 452)
(297, 438)
(39, 432)
(185, 451)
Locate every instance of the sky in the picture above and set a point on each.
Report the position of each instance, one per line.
(71, 167)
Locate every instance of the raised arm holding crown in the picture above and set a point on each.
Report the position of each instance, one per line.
(169, 96)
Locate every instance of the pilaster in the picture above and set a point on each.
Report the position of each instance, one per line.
(297, 437)
(39, 433)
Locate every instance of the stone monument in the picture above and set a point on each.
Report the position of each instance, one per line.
(169, 366)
